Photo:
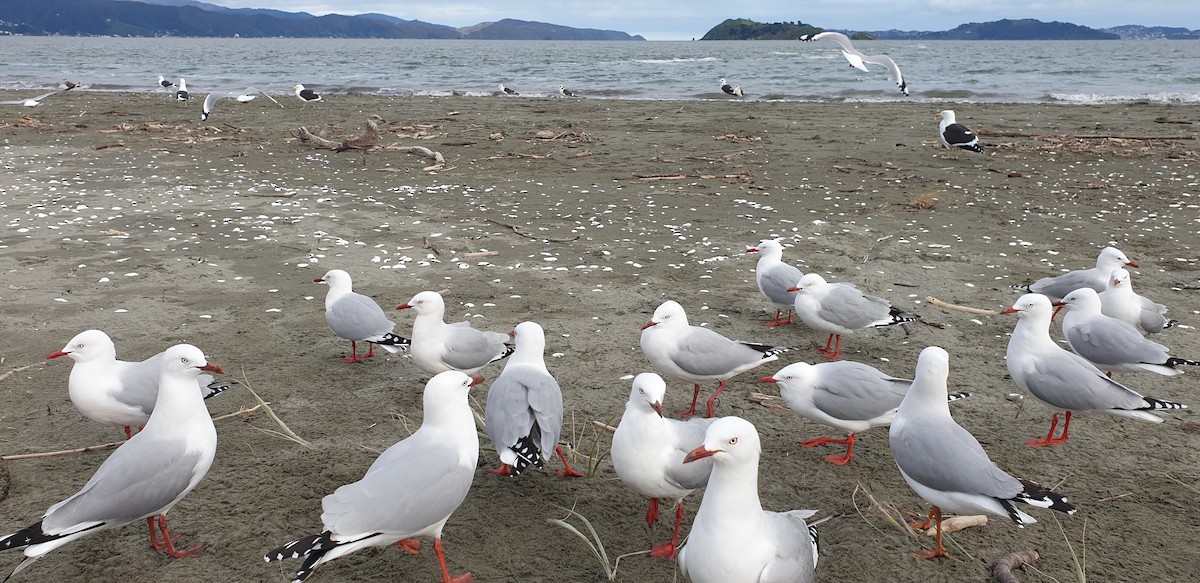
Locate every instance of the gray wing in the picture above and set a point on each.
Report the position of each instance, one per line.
(855, 391)
(938, 453)
(1107, 341)
(410, 486)
(774, 283)
(795, 549)
(139, 383)
(838, 38)
(1152, 317)
(703, 352)
(468, 348)
(1066, 380)
(688, 435)
(850, 308)
(893, 71)
(140, 479)
(1056, 288)
(518, 398)
(357, 317)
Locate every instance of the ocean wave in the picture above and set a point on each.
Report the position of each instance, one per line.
(1098, 99)
(676, 60)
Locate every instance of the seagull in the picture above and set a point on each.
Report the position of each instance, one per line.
(564, 91)
(438, 346)
(839, 308)
(648, 451)
(164, 83)
(956, 135)
(32, 101)
(858, 60)
(525, 407)
(735, 90)
(307, 95)
(182, 93)
(696, 354)
(357, 318)
(1096, 278)
(944, 464)
(774, 278)
(850, 396)
(117, 392)
(733, 540)
(1111, 344)
(1063, 380)
(245, 96)
(410, 491)
(1120, 301)
(68, 85)
(144, 477)
(507, 91)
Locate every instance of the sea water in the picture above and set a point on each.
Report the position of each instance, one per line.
(936, 71)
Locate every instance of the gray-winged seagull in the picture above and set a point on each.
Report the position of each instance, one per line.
(410, 490)
(1063, 380)
(733, 540)
(357, 318)
(648, 451)
(839, 308)
(696, 354)
(858, 60)
(944, 463)
(525, 407)
(144, 477)
(438, 346)
(774, 278)
(1120, 301)
(1113, 345)
(1096, 277)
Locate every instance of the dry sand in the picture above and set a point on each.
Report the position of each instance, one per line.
(126, 213)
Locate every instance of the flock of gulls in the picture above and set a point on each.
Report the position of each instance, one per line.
(412, 488)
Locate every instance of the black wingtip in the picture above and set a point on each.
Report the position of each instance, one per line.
(1156, 404)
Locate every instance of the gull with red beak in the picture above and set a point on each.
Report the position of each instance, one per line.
(438, 346)
(1119, 301)
(357, 318)
(1113, 345)
(1056, 288)
(774, 278)
(839, 308)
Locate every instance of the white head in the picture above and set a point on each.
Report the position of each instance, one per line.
(426, 302)
(668, 315)
(648, 392)
(723, 83)
(86, 346)
(161, 79)
(929, 384)
(337, 280)
(809, 283)
(1084, 300)
(446, 392)
(728, 440)
(947, 116)
(298, 88)
(770, 248)
(530, 341)
(186, 361)
(1033, 307)
(182, 84)
(1111, 258)
(793, 377)
(1119, 278)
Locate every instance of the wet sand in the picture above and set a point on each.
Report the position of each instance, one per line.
(126, 213)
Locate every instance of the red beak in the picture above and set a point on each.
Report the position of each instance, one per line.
(1133, 264)
(55, 354)
(752, 250)
(1058, 306)
(767, 380)
(475, 380)
(319, 280)
(210, 367)
(649, 324)
(697, 454)
(657, 408)
(794, 288)
(403, 307)
(1009, 310)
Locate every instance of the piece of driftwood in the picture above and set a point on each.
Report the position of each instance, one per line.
(957, 308)
(1002, 569)
(364, 140)
(308, 137)
(957, 523)
(422, 151)
(518, 230)
(19, 368)
(772, 402)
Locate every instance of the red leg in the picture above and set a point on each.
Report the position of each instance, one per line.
(835, 341)
(370, 350)
(169, 543)
(668, 550)
(1050, 440)
(503, 470)
(567, 471)
(353, 353)
(938, 549)
(128, 432)
(441, 555)
(789, 319)
(712, 401)
(776, 321)
(652, 512)
(692, 410)
(409, 545)
(840, 460)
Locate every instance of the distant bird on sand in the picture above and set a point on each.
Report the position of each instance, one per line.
(507, 91)
(307, 95)
(565, 92)
(735, 90)
(955, 135)
(68, 85)
(164, 83)
(182, 94)
(859, 60)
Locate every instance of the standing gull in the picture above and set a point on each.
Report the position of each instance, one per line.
(775, 278)
(409, 491)
(1063, 380)
(696, 354)
(839, 308)
(850, 396)
(117, 392)
(1113, 345)
(648, 451)
(859, 60)
(507, 91)
(164, 83)
(181, 93)
(305, 95)
(144, 477)
(735, 90)
(955, 135)
(357, 318)
(733, 540)
(1096, 277)
(438, 346)
(944, 463)
(525, 407)
(565, 92)
(1120, 301)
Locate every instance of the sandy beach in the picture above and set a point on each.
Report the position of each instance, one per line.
(126, 213)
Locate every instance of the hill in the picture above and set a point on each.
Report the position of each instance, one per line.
(743, 29)
(1025, 29)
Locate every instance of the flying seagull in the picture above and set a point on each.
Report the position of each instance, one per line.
(858, 60)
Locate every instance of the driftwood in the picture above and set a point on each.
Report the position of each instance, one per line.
(110, 145)
(772, 402)
(518, 230)
(1002, 569)
(19, 368)
(308, 137)
(957, 523)
(957, 308)
(424, 152)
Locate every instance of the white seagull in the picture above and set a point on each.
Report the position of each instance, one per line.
(244, 96)
(1096, 277)
(1113, 345)
(410, 490)
(735, 90)
(565, 92)
(859, 60)
(850, 396)
(733, 540)
(181, 93)
(944, 463)
(839, 308)
(774, 278)
(1120, 301)
(955, 135)
(1063, 380)
(32, 101)
(144, 477)
(438, 346)
(648, 451)
(357, 318)
(525, 407)
(117, 392)
(696, 355)
(306, 95)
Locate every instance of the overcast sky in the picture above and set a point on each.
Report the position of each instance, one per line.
(686, 19)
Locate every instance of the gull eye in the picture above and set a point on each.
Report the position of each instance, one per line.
(184, 360)
(80, 345)
(733, 441)
(642, 391)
